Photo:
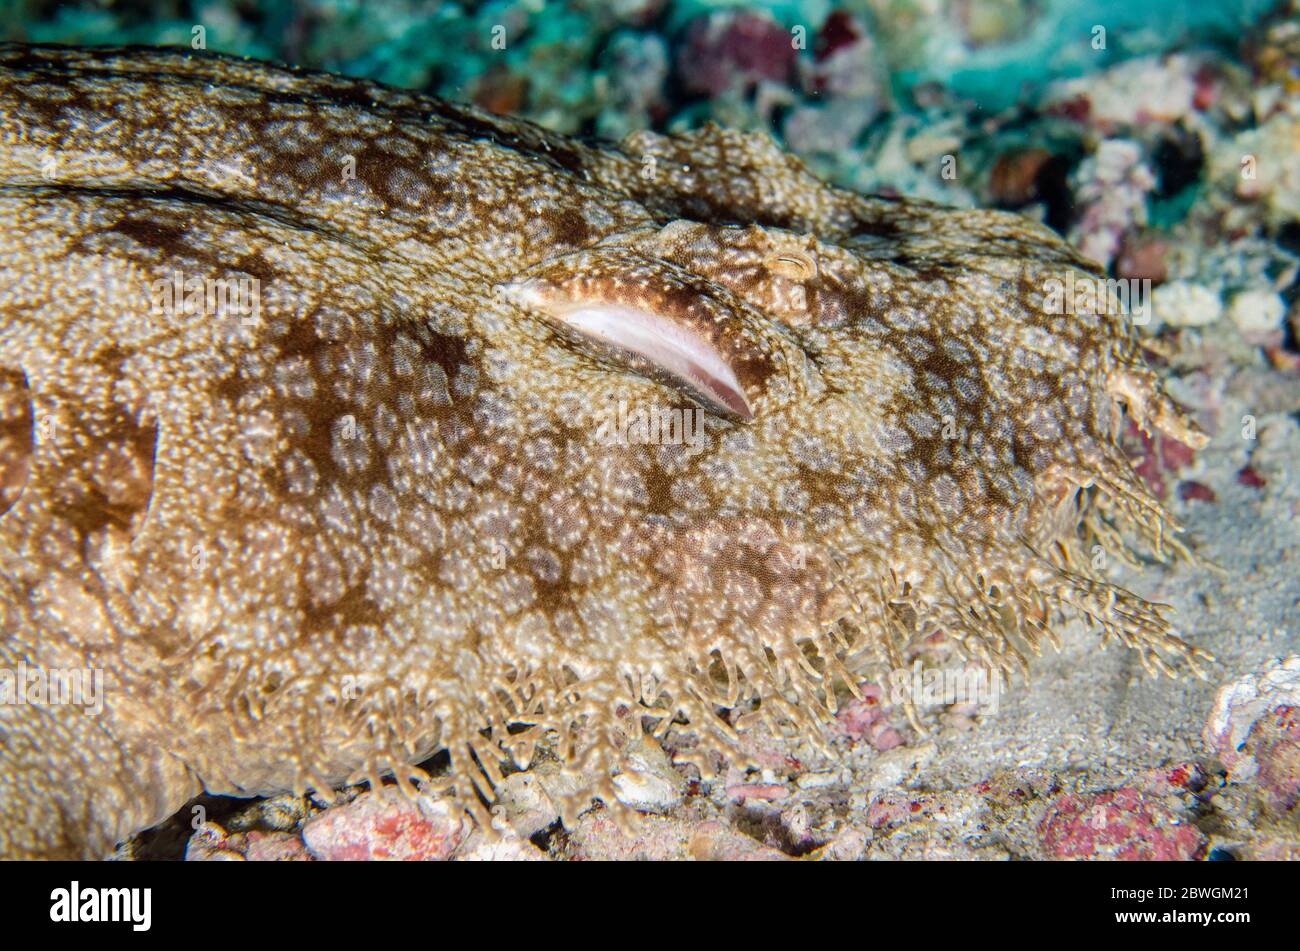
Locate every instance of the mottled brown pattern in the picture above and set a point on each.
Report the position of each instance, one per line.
(372, 520)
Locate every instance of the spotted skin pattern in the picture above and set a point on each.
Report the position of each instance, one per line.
(318, 539)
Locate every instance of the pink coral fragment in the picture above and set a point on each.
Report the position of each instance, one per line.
(1121, 824)
(384, 826)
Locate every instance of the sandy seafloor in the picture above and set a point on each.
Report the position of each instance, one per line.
(1133, 154)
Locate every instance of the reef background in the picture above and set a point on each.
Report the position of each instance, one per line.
(1164, 140)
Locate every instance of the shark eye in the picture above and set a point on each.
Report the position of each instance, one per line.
(651, 317)
(674, 348)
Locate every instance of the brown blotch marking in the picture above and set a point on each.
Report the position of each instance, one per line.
(352, 609)
(232, 387)
(325, 408)
(447, 350)
(570, 227)
(112, 359)
(375, 167)
(121, 485)
(153, 232)
(54, 115)
(752, 368)
(255, 265)
(876, 229)
(16, 446)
